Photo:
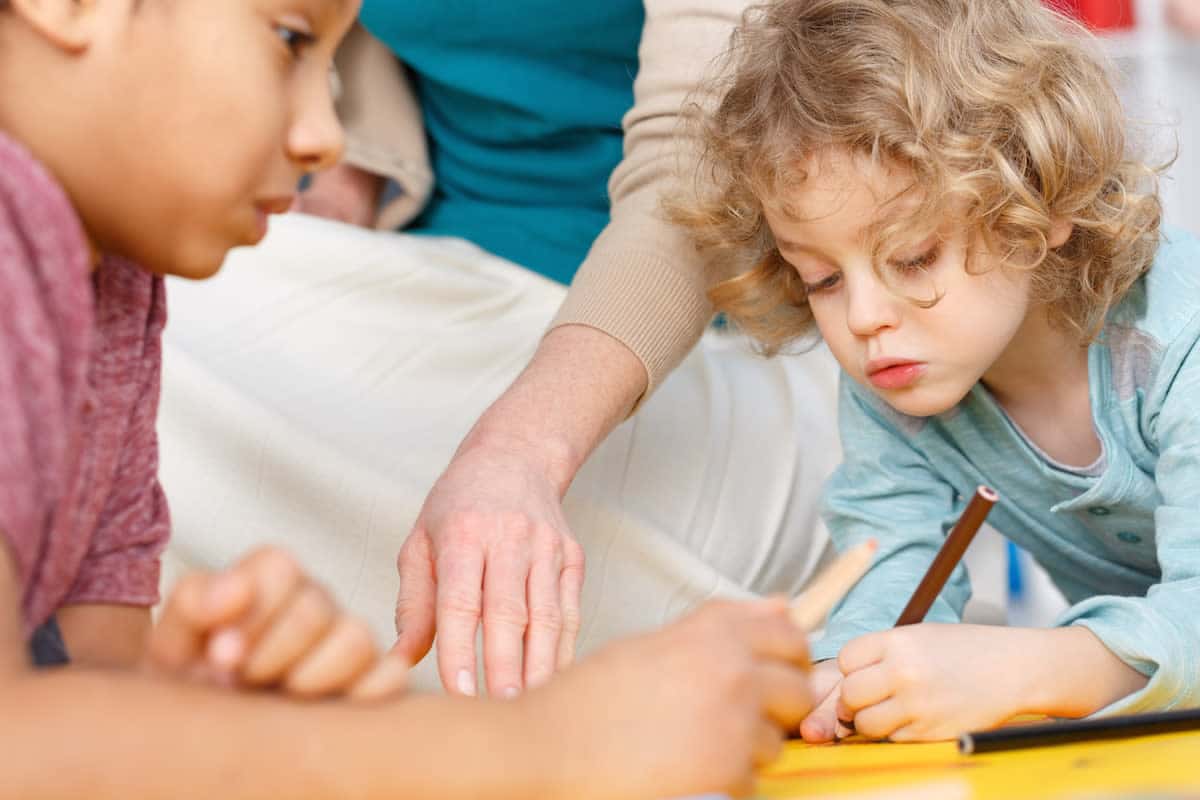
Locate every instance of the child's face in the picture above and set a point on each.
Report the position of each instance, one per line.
(920, 360)
(176, 126)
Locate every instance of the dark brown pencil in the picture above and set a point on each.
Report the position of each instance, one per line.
(939, 571)
(949, 556)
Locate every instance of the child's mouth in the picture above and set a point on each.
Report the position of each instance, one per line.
(897, 375)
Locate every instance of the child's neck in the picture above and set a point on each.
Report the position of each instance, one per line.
(1041, 381)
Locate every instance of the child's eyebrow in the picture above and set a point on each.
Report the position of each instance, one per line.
(786, 244)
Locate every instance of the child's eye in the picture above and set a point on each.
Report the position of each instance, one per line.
(918, 263)
(295, 40)
(825, 285)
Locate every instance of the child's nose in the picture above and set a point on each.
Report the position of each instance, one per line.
(872, 307)
(316, 139)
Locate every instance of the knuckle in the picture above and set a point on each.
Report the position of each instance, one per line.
(507, 612)
(545, 616)
(357, 635)
(572, 620)
(461, 603)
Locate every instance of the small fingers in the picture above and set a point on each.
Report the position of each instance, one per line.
(295, 630)
(882, 720)
(345, 654)
(785, 693)
(821, 724)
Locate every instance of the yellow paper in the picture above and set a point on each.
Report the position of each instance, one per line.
(1148, 768)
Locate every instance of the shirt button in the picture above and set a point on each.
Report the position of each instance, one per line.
(1129, 537)
(1099, 511)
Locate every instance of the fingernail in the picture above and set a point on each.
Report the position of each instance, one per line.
(511, 693)
(225, 648)
(466, 683)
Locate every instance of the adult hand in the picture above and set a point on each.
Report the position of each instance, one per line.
(491, 545)
(344, 193)
(696, 707)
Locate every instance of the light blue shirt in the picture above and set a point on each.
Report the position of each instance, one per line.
(1122, 544)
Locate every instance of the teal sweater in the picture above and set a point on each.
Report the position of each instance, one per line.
(1122, 540)
(523, 103)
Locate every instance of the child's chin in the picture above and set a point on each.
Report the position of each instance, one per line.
(198, 267)
(917, 403)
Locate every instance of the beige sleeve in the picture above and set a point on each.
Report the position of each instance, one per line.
(384, 130)
(643, 282)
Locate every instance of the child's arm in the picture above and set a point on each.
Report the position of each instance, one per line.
(693, 708)
(885, 490)
(1158, 635)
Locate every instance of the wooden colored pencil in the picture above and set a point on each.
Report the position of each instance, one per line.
(939, 571)
(1047, 734)
(810, 608)
(948, 556)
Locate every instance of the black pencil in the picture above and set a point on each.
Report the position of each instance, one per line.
(1047, 734)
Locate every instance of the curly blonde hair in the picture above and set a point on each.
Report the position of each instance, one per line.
(1000, 109)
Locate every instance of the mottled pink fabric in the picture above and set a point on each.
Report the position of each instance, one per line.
(81, 509)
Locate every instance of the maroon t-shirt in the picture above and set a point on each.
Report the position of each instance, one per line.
(81, 509)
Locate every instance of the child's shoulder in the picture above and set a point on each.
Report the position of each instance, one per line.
(1164, 304)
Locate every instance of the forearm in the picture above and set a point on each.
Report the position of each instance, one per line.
(580, 384)
(74, 733)
(104, 635)
(1074, 674)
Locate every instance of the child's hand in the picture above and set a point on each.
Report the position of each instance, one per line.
(692, 708)
(822, 724)
(930, 682)
(263, 624)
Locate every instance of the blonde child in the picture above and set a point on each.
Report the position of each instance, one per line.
(941, 189)
(140, 138)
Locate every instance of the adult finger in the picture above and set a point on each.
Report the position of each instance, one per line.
(387, 679)
(297, 628)
(505, 618)
(545, 618)
(570, 584)
(416, 604)
(459, 600)
(334, 665)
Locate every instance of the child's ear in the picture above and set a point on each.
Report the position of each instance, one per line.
(1060, 231)
(67, 24)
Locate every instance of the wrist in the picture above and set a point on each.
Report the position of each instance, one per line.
(1063, 655)
(549, 454)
